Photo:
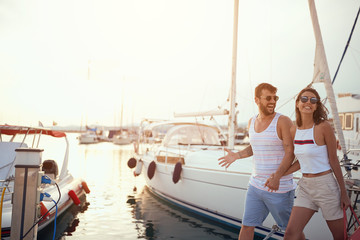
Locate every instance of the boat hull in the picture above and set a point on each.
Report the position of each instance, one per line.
(218, 195)
(65, 202)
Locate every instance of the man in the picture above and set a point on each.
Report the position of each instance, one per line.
(272, 150)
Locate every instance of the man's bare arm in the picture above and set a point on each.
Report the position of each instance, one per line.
(231, 156)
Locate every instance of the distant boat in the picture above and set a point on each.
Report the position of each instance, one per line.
(15, 137)
(92, 135)
(88, 137)
(241, 138)
(122, 138)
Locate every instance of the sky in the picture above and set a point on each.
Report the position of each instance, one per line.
(80, 62)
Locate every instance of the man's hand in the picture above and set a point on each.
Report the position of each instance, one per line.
(227, 160)
(272, 183)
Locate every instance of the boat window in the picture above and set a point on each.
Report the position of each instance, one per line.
(191, 134)
(349, 121)
(357, 124)
(341, 116)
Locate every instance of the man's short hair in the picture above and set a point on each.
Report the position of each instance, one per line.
(266, 86)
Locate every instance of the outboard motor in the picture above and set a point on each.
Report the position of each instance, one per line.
(50, 168)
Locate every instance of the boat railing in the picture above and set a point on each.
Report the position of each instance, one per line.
(353, 150)
(353, 186)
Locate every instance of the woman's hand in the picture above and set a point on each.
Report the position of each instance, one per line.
(344, 200)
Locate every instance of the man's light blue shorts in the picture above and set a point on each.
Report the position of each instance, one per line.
(259, 203)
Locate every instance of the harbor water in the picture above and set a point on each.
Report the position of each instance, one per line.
(120, 206)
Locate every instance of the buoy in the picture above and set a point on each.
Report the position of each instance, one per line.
(44, 211)
(138, 168)
(131, 163)
(177, 172)
(85, 187)
(151, 170)
(74, 197)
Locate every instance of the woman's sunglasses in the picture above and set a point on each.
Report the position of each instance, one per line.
(268, 98)
(313, 100)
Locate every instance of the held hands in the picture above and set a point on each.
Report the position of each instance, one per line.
(272, 183)
(344, 201)
(227, 160)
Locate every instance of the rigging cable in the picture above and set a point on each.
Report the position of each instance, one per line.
(346, 47)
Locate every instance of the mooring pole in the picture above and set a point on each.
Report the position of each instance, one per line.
(25, 198)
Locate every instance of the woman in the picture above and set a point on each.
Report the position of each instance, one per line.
(322, 185)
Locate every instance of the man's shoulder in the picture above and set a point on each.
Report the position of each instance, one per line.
(283, 119)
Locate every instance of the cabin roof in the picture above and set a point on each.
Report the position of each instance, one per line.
(348, 102)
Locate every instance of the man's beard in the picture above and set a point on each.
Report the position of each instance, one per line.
(265, 111)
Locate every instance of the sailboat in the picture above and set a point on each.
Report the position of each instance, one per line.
(184, 168)
(121, 137)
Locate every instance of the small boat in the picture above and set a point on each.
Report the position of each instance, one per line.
(93, 135)
(184, 168)
(241, 138)
(88, 137)
(122, 138)
(71, 190)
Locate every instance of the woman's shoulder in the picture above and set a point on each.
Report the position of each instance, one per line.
(325, 127)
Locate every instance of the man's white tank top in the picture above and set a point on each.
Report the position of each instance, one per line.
(312, 157)
(268, 152)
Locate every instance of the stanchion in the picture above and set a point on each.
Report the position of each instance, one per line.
(25, 198)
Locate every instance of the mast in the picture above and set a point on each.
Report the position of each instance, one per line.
(232, 118)
(322, 74)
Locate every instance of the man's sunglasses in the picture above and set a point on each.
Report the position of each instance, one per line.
(268, 98)
(304, 99)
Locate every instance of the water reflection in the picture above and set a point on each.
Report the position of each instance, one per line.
(154, 218)
(66, 223)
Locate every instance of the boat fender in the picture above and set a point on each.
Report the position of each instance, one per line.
(151, 170)
(74, 197)
(136, 147)
(85, 187)
(177, 172)
(131, 163)
(138, 168)
(44, 211)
